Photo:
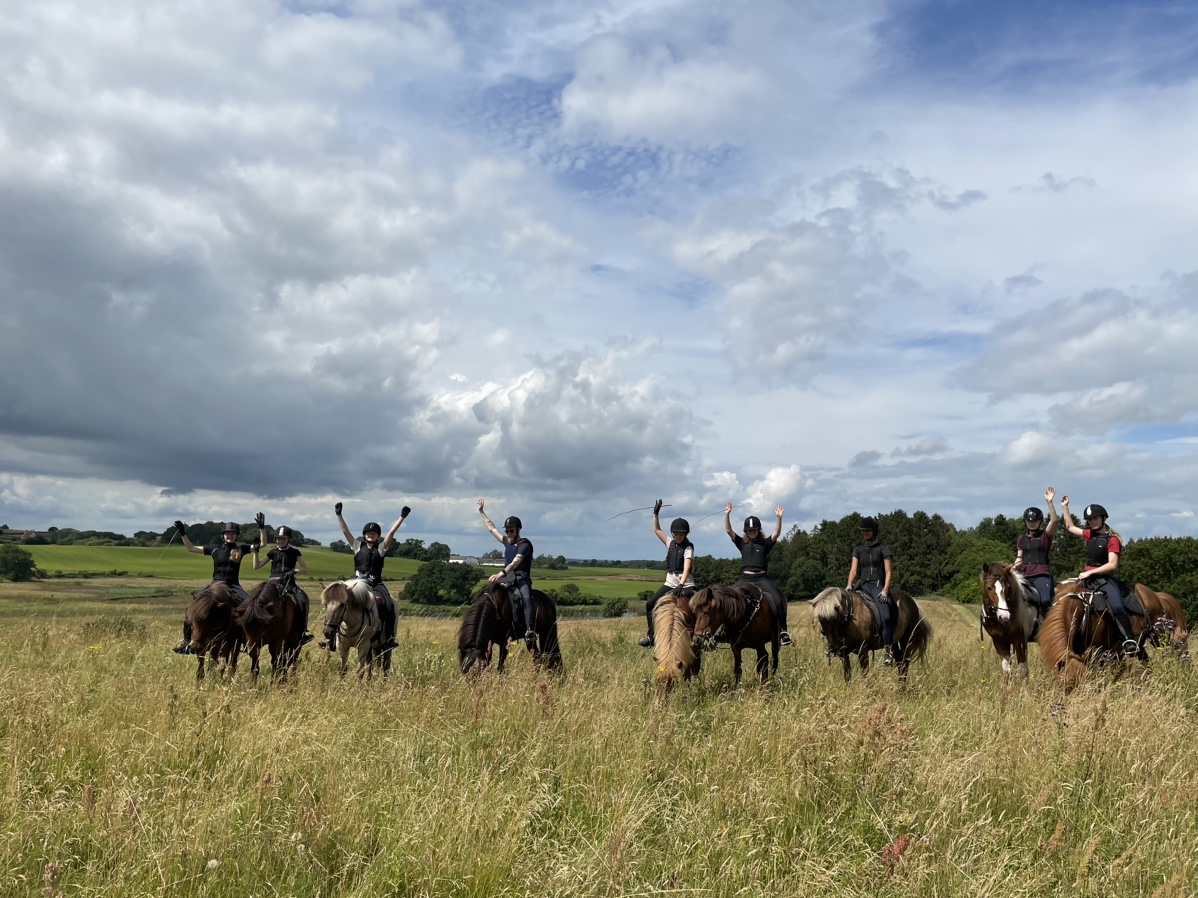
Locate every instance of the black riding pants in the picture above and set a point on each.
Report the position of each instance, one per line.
(1045, 587)
(772, 593)
(388, 611)
(684, 591)
(886, 609)
(1114, 598)
(524, 616)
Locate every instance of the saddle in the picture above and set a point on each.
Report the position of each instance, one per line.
(753, 598)
(875, 612)
(1127, 593)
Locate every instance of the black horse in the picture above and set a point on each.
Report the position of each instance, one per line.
(487, 623)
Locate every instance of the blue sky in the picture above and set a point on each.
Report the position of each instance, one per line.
(575, 256)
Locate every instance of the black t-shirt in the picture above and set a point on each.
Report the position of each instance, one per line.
(753, 554)
(283, 561)
(519, 547)
(870, 568)
(226, 562)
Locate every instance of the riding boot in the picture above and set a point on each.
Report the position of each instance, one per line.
(184, 647)
(889, 612)
(780, 613)
(390, 625)
(1131, 647)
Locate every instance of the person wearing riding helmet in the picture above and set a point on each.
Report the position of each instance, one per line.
(1103, 546)
(1031, 550)
(870, 572)
(516, 573)
(754, 550)
(370, 553)
(680, 562)
(285, 560)
(226, 568)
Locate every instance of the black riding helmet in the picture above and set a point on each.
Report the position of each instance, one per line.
(752, 522)
(231, 527)
(1095, 511)
(372, 527)
(283, 531)
(1033, 514)
(870, 524)
(680, 525)
(512, 523)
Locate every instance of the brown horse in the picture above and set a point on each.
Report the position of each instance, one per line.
(673, 647)
(486, 624)
(744, 613)
(268, 618)
(847, 625)
(1010, 614)
(352, 618)
(1075, 633)
(213, 631)
(548, 651)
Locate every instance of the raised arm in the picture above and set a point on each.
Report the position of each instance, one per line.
(404, 512)
(657, 523)
(259, 562)
(1049, 494)
(349, 537)
(260, 520)
(486, 520)
(182, 531)
(1068, 518)
(728, 522)
(778, 526)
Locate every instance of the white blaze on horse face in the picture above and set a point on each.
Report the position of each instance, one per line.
(1004, 613)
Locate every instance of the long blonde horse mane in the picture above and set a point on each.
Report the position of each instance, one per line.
(673, 650)
(828, 604)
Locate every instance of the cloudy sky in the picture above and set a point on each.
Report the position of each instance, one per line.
(573, 256)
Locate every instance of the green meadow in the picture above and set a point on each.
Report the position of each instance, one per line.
(121, 777)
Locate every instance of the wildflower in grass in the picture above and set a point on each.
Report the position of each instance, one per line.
(893, 853)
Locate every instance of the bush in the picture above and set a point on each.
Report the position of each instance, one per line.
(442, 583)
(16, 564)
(969, 554)
(615, 606)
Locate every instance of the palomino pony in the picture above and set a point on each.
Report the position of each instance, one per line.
(1010, 614)
(352, 616)
(744, 613)
(673, 645)
(487, 623)
(268, 618)
(847, 625)
(1075, 633)
(213, 631)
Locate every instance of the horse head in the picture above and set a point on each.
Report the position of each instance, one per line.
(335, 599)
(999, 590)
(708, 618)
(833, 609)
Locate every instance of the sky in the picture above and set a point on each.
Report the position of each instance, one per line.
(573, 257)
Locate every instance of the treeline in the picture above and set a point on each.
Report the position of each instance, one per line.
(408, 548)
(207, 533)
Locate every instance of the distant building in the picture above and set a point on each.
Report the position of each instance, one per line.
(462, 559)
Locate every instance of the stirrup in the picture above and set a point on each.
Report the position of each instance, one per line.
(646, 642)
(1131, 648)
(784, 638)
(888, 657)
(530, 639)
(183, 648)
(305, 638)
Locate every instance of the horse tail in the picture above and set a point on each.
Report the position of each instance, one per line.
(919, 636)
(479, 620)
(1056, 641)
(550, 652)
(673, 651)
(1171, 609)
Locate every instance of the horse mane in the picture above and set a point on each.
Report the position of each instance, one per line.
(727, 600)
(204, 602)
(673, 650)
(479, 618)
(828, 604)
(262, 607)
(339, 591)
(1054, 641)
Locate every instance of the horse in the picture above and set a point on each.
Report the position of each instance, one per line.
(1074, 634)
(268, 618)
(213, 631)
(548, 651)
(352, 618)
(1010, 614)
(847, 625)
(486, 623)
(744, 613)
(673, 647)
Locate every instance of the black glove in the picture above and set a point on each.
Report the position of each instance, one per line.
(657, 508)
(405, 511)
(255, 546)
(182, 531)
(260, 520)
(337, 509)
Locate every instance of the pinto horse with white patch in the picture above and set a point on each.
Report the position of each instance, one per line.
(1010, 614)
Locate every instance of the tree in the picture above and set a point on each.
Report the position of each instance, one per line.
(438, 552)
(341, 546)
(493, 555)
(16, 564)
(439, 583)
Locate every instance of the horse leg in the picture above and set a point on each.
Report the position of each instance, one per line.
(1021, 657)
(847, 660)
(502, 653)
(763, 663)
(200, 668)
(863, 660)
(343, 653)
(777, 645)
(233, 655)
(1004, 653)
(736, 662)
(254, 649)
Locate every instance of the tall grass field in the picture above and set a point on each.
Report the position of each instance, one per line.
(122, 778)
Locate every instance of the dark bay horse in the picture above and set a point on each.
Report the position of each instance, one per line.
(744, 613)
(1075, 633)
(673, 645)
(1010, 614)
(486, 624)
(548, 652)
(213, 630)
(352, 617)
(847, 625)
(268, 618)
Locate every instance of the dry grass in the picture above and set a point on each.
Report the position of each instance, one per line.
(119, 777)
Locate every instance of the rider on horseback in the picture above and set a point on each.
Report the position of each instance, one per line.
(1103, 546)
(753, 552)
(369, 556)
(285, 560)
(870, 573)
(226, 569)
(1031, 556)
(680, 559)
(516, 573)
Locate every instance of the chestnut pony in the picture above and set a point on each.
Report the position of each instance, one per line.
(744, 613)
(1075, 633)
(848, 626)
(213, 631)
(673, 646)
(1010, 614)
